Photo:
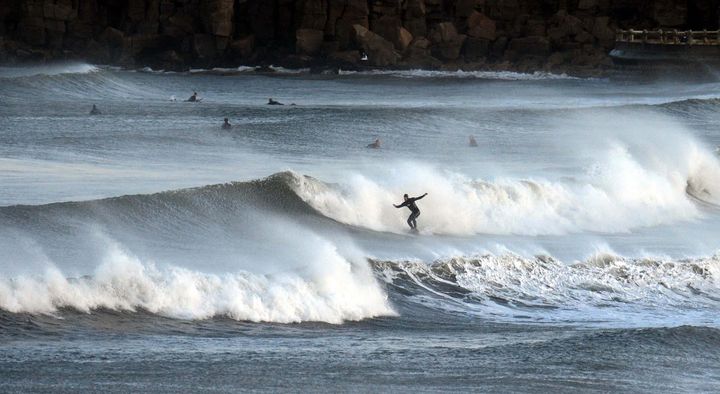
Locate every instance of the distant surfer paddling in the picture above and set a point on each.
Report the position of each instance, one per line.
(193, 98)
(414, 211)
(226, 125)
(375, 145)
(95, 111)
(273, 102)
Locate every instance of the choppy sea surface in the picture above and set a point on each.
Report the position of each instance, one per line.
(148, 249)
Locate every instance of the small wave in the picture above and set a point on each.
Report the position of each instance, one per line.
(48, 70)
(248, 70)
(494, 75)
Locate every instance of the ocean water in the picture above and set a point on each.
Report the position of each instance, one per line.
(147, 249)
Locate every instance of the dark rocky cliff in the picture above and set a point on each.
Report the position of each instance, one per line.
(526, 35)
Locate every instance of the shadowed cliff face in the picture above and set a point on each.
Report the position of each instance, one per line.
(553, 35)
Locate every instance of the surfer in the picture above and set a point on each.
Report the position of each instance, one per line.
(472, 141)
(375, 145)
(193, 98)
(227, 124)
(273, 102)
(414, 211)
(95, 110)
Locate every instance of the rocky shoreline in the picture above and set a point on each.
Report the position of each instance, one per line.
(557, 36)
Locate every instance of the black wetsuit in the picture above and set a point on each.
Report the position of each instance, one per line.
(414, 211)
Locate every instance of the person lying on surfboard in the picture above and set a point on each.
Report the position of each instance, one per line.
(414, 211)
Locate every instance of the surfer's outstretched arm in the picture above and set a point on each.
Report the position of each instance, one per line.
(420, 198)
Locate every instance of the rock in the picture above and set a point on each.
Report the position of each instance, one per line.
(498, 47)
(603, 32)
(243, 47)
(80, 29)
(168, 60)
(32, 30)
(380, 51)
(534, 27)
(97, 52)
(476, 48)
(329, 47)
(203, 46)
(449, 50)
(313, 14)
(217, 16)
(557, 59)
(464, 8)
(61, 10)
(350, 57)
(414, 9)
(113, 37)
(670, 13)
(480, 26)
(343, 15)
(308, 41)
(587, 4)
(556, 35)
(447, 43)
(136, 10)
(505, 10)
(443, 32)
(404, 39)
(590, 56)
(418, 51)
(387, 26)
(533, 46)
(584, 38)
(184, 23)
(572, 25)
(416, 26)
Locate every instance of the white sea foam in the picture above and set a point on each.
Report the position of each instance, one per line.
(498, 75)
(604, 288)
(626, 188)
(329, 289)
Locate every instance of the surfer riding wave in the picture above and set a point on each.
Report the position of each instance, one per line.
(414, 211)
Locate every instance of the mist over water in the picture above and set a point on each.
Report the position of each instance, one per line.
(589, 208)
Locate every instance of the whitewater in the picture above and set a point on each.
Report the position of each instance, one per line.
(582, 229)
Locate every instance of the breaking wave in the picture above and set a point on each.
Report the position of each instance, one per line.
(621, 192)
(603, 288)
(328, 288)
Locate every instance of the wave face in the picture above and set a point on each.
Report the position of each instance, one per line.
(48, 70)
(267, 267)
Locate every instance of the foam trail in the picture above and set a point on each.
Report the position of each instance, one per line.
(492, 75)
(602, 288)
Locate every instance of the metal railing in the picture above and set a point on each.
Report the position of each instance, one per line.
(669, 37)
